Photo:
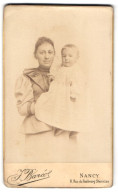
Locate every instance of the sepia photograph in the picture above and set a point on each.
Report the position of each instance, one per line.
(58, 94)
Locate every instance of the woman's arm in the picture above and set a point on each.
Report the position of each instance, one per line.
(24, 96)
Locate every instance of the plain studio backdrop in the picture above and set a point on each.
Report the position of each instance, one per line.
(90, 28)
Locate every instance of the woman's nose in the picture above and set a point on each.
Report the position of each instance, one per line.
(46, 55)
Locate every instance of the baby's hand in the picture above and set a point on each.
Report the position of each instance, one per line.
(73, 98)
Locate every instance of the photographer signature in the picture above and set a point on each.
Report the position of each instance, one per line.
(25, 176)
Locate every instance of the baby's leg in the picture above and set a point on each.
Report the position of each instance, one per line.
(73, 134)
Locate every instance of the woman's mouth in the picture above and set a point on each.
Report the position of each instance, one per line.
(46, 62)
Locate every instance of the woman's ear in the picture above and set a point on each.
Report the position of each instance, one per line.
(54, 52)
(78, 56)
(35, 55)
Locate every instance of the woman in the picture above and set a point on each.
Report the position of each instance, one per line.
(42, 142)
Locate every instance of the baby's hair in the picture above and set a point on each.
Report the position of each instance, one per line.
(70, 46)
(41, 41)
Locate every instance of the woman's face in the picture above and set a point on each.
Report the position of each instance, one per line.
(45, 54)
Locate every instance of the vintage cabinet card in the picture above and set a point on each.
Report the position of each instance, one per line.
(58, 82)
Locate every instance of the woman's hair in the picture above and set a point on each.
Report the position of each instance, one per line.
(41, 41)
(70, 46)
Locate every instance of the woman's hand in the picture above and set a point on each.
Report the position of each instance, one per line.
(51, 78)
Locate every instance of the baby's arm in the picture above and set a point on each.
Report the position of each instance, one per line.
(73, 95)
(74, 88)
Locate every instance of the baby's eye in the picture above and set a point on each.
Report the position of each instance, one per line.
(70, 55)
(50, 52)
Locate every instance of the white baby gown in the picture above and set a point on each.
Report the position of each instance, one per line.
(59, 106)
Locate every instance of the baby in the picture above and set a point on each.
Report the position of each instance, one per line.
(58, 106)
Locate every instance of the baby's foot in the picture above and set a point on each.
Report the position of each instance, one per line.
(58, 131)
(73, 134)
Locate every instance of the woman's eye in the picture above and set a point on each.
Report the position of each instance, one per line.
(42, 52)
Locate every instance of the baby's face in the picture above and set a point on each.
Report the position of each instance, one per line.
(69, 56)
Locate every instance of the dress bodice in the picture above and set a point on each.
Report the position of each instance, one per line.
(39, 79)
